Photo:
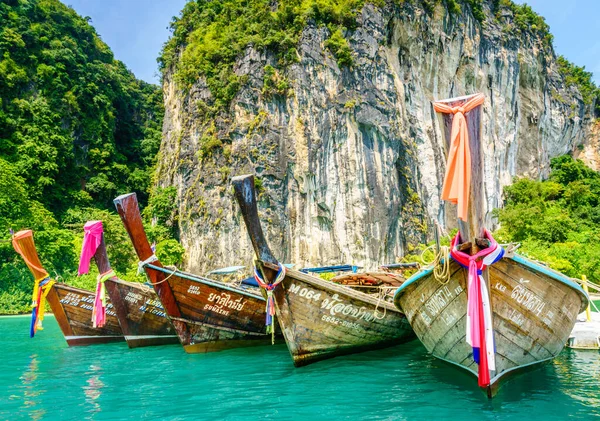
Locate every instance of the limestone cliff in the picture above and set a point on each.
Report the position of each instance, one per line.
(350, 159)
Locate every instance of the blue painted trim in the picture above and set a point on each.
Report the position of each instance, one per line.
(327, 269)
(517, 258)
(205, 281)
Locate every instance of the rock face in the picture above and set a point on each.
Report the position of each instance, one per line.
(351, 160)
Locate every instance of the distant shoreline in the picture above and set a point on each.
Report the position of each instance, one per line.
(25, 314)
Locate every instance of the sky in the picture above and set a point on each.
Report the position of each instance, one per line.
(135, 30)
(575, 25)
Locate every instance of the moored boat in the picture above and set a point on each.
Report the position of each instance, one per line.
(208, 315)
(319, 319)
(138, 309)
(488, 311)
(71, 306)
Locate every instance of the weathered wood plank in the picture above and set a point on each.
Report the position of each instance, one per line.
(532, 314)
(141, 314)
(208, 315)
(320, 319)
(73, 307)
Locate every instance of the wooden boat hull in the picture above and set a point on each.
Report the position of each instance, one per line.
(140, 314)
(533, 312)
(216, 316)
(72, 308)
(320, 319)
(207, 315)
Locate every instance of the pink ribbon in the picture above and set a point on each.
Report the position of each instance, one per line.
(479, 329)
(91, 240)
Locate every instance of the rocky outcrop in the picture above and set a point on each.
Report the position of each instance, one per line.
(350, 160)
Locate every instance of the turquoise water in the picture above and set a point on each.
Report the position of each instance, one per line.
(43, 379)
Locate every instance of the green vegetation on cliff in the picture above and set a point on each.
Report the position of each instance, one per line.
(211, 35)
(557, 220)
(76, 129)
(76, 125)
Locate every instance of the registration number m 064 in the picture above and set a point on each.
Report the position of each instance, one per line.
(305, 292)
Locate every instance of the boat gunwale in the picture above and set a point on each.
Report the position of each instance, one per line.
(337, 288)
(516, 258)
(206, 281)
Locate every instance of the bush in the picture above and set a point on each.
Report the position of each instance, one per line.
(557, 220)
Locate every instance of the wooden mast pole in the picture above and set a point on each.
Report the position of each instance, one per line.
(473, 227)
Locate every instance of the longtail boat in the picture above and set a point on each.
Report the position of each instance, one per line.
(485, 309)
(72, 307)
(319, 319)
(138, 309)
(208, 315)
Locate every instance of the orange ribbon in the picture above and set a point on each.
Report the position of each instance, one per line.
(457, 181)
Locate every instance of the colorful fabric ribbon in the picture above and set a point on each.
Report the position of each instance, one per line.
(41, 288)
(270, 308)
(457, 181)
(480, 331)
(91, 240)
(99, 310)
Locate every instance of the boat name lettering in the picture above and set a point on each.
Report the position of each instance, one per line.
(567, 312)
(337, 321)
(336, 307)
(153, 310)
(305, 292)
(438, 300)
(548, 318)
(516, 317)
(154, 303)
(224, 300)
(500, 287)
(448, 318)
(194, 290)
(527, 299)
(216, 309)
(425, 317)
(132, 297)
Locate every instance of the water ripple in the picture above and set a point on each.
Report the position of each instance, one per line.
(43, 379)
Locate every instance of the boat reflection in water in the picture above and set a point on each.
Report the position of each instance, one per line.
(94, 387)
(31, 390)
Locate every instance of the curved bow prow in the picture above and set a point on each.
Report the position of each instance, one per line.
(129, 211)
(245, 195)
(23, 244)
(101, 257)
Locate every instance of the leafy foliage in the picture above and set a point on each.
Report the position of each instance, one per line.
(208, 36)
(76, 129)
(557, 220)
(77, 126)
(525, 20)
(578, 77)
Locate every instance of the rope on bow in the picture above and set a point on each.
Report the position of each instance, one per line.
(380, 296)
(270, 307)
(41, 288)
(99, 310)
(440, 262)
(143, 264)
